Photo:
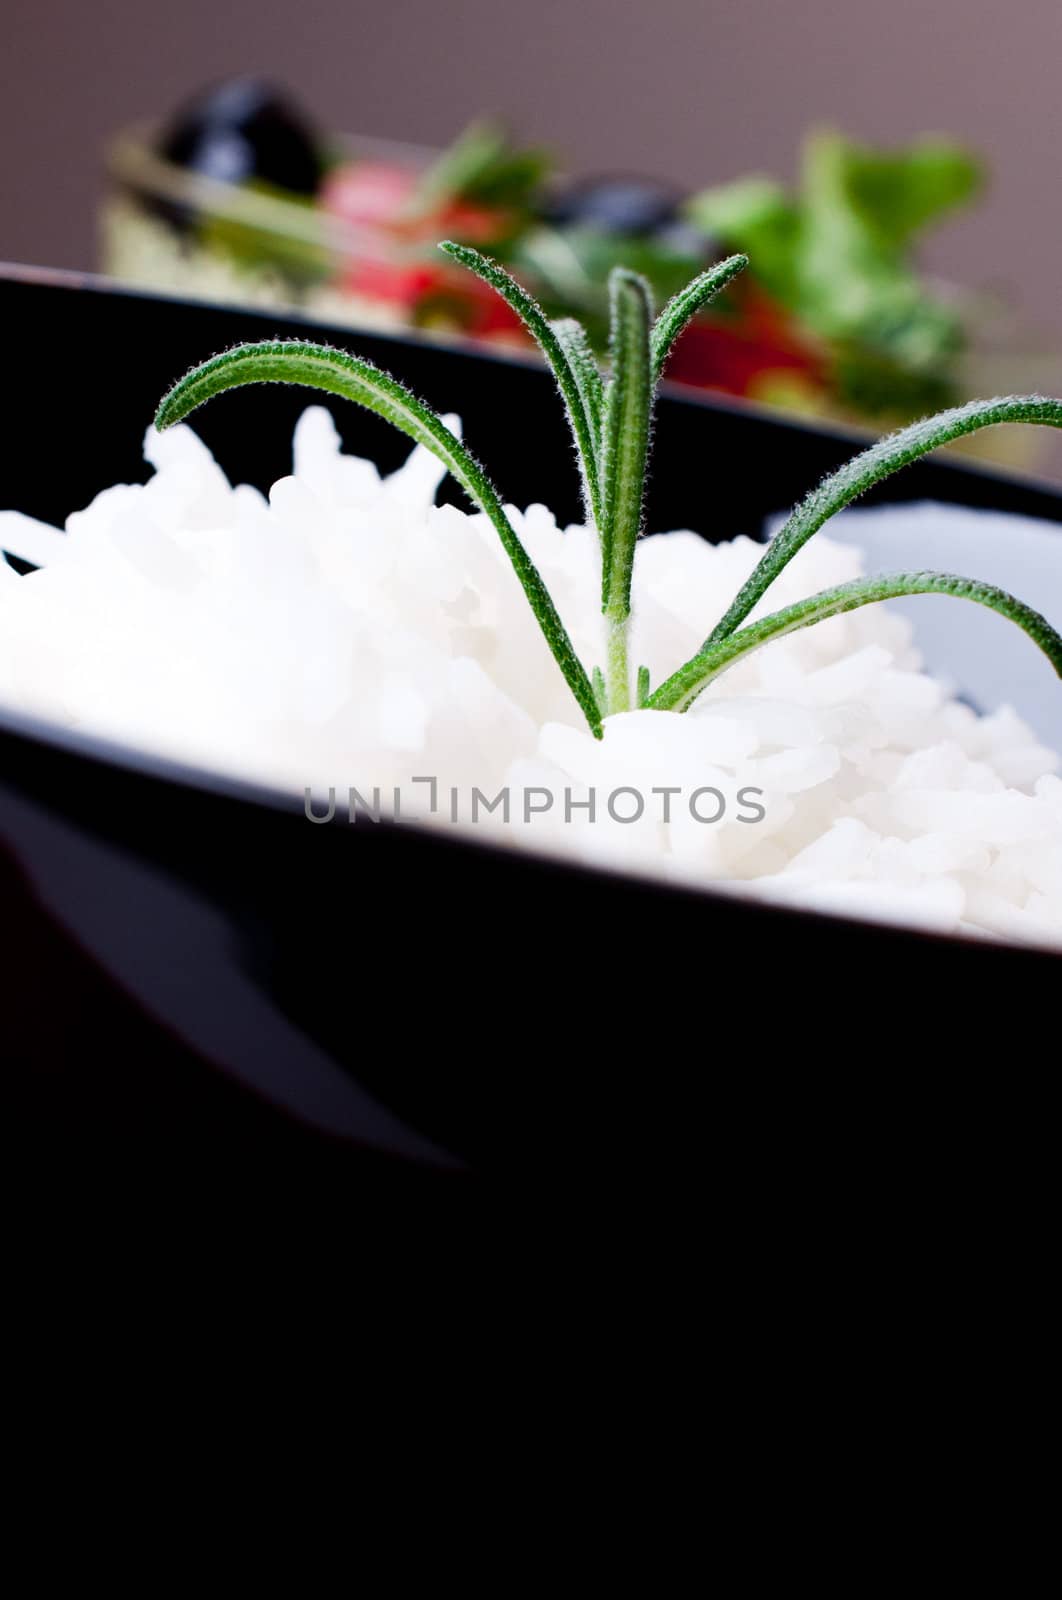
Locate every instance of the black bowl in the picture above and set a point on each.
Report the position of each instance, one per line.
(198, 981)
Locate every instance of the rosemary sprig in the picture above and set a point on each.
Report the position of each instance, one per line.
(572, 338)
(683, 687)
(559, 347)
(625, 451)
(864, 471)
(611, 426)
(684, 306)
(641, 699)
(320, 367)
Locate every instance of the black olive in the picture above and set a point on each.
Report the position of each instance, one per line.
(629, 206)
(240, 131)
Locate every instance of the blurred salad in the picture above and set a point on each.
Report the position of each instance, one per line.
(839, 254)
(834, 315)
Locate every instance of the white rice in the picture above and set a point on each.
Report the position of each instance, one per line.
(349, 632)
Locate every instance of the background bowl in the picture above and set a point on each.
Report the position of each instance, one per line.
(199, 982)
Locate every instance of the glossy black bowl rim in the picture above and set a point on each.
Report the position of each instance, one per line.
(854, 433)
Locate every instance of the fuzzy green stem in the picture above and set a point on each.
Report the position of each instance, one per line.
(573, 339)
(863, 471)
(625, 431)
(335, 371)
(617, 666)
(683, 687)
(641, 698)
(571, 371)
(597, 678)
(684, 306)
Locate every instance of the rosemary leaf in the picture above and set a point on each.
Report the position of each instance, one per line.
(684, 306)
(573, 340)
(556, 349)
(641, 698)
(863, 471)
(680, 690)
(625, 432)
(321, 367)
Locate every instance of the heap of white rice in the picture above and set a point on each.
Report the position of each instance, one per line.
(348, 632)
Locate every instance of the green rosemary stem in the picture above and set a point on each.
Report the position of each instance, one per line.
(641, 698)
(683, 687)
(336, 372)
(567, 352)
(625, 449)
(863, 471)
(573, 340)
(684, 306)
(617, 665)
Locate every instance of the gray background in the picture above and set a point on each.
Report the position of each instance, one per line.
(697, 91)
